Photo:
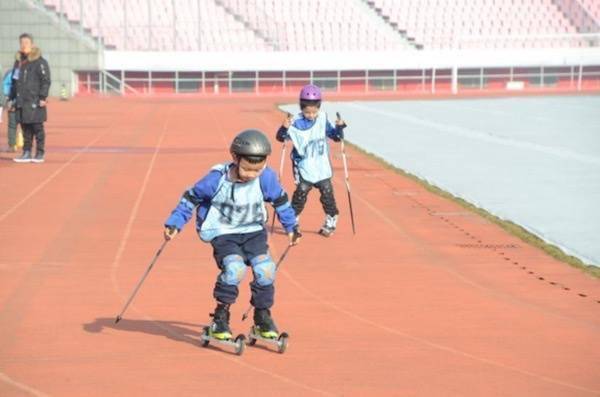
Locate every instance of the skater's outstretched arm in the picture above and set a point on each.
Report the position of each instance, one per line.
(336, 133)
(282, 132)
(202, 191)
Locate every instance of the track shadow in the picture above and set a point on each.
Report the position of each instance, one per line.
(282, 232)
(174, 330)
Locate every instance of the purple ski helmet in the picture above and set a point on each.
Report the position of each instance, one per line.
(310, 93)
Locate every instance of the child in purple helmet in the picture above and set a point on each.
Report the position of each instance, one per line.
(308, 132)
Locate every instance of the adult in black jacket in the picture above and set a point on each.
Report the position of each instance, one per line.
(29, 95)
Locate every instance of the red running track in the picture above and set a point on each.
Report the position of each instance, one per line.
(426, 300)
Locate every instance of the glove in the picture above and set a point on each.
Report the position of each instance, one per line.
(170, 232)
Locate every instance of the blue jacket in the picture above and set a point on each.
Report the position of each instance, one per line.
(200, 198)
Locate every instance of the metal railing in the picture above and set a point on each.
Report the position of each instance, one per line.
(427, 81)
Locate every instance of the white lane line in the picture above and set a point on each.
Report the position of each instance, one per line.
(28, 389)
(48, 179)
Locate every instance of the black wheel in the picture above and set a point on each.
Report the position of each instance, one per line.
(205, 342)
(282, 342)
(240, 344)
(251, 338)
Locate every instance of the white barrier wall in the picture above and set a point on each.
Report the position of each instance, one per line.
(280, 61)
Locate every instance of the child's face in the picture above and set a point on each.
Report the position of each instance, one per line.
(310, 112)
(248, 171)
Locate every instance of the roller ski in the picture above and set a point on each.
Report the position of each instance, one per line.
(265, 330)
(329, 226)
(220, 333)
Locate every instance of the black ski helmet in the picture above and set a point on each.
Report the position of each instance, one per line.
(251, 143)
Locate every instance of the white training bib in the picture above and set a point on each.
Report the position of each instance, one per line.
(236, 208)
(311, 145)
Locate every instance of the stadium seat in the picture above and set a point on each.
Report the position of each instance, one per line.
(293, 25)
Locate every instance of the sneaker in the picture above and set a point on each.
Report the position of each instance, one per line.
(25, 157)
(329, 226)
(39, 157)
(219, 328)
(264, 324)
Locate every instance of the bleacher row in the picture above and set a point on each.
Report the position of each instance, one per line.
(593, 7)
(480, 23)
(323, 25)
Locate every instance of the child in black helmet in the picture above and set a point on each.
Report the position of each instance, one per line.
(230, 214)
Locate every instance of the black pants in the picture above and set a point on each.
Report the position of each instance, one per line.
(327, 198)
(248, 246)
(12, 129)
(31, 131)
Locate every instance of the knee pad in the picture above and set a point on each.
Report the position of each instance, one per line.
(234, 270)
(264, 270)
(327, 197)
(302, 190)
(304, 187)
(325, 187)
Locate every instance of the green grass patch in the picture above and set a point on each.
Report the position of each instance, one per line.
(509, 226)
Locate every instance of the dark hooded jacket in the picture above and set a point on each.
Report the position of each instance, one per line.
(31, 84)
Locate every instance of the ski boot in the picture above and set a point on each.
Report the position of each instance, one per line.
(329, 226)
(265, 330)
(220, 332)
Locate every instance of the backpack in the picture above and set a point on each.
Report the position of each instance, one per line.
(7, 83)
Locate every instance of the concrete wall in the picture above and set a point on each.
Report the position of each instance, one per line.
(64, 50)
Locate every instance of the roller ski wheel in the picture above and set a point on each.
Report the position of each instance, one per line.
(238, 344)
(205, 336)
(280, 342)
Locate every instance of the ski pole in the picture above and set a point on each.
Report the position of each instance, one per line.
(347, 180)
(281, 162)
(137, 287)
